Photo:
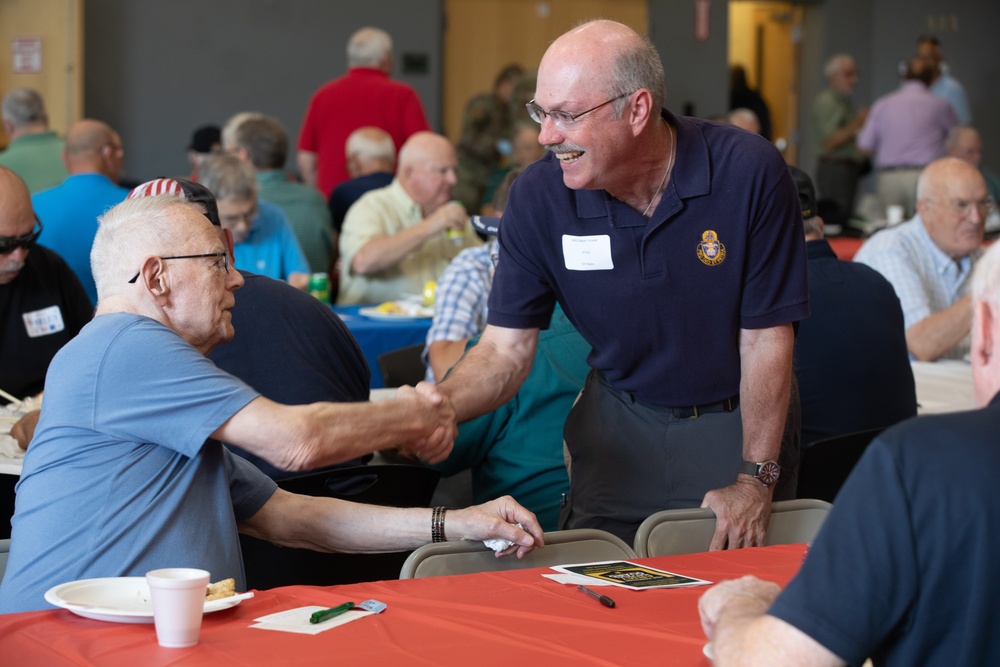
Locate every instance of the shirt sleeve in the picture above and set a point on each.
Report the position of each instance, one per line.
(293, 260)
(249, 488)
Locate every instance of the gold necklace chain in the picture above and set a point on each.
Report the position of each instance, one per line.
(670, 165)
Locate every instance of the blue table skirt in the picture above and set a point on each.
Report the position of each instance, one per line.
(376, 335)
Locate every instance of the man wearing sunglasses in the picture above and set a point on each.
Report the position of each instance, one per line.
(42, 304)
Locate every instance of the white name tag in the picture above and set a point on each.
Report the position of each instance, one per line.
(43, 322)
(587, 253)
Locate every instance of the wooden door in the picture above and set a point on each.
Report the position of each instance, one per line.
(47, 35)
(764, 38)
(483, 36)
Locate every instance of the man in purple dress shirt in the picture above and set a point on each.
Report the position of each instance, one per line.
(905, 131)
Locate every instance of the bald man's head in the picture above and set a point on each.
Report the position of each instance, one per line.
(17, 225)
(93, 147)
(427, 164)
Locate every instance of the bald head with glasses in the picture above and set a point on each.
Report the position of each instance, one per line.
(161, 257)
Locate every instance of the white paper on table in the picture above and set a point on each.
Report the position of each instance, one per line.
(576, 580)
(297, 620)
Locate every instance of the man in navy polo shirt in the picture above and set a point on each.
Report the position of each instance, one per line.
(675, 247)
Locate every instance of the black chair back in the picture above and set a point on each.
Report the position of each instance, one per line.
(403, 366)
(269, 566)
(825, 464)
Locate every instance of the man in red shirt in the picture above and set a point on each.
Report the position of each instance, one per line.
(363, 96)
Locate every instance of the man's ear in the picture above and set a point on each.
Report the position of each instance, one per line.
(641, 111)
(153, 276)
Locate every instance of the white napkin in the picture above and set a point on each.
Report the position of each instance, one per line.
(499, 544)
(297, 620)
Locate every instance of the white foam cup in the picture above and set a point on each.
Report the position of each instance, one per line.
(894, 214)
(178, 604)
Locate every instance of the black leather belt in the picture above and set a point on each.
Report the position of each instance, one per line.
(695, 411)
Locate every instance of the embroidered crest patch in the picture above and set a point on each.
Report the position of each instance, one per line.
(711, 251)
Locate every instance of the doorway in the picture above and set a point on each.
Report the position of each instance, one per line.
(764, 38)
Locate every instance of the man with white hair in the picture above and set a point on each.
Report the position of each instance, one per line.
(904, 569)
(126, 472)
(364, 96)
(371, 162)
(836, 124)
(34, 152)
(397, 238)
(929, 259)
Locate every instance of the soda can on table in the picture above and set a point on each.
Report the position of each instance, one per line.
(319, 286)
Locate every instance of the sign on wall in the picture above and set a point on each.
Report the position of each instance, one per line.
(27, 55)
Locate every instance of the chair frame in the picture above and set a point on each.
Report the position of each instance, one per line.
(693, 528)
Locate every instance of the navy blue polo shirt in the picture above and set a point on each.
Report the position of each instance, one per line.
(661, 301)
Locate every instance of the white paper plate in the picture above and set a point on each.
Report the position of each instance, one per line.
(116, 599)
(410, 312)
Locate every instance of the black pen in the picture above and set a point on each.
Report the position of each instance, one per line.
(603, 599)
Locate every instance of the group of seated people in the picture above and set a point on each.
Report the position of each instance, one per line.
(206, 372)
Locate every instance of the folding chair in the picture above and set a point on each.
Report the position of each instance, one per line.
(269, 566)
(825, 464)
(688, 531)
(561, 547)
(403, 366)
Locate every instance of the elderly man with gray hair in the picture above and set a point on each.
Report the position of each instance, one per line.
(904, 569)
(264, 241)
(34, 152)
(836, 124)
(397, 238)
(126, 472)
(263, 142)
(364, 96)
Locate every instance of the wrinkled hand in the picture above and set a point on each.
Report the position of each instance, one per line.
(442, 426)
(448, 216)
(24, 429)
(493, 520)
(742, 511)
(757, 597)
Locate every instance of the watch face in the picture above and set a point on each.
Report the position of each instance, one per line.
(768, 474)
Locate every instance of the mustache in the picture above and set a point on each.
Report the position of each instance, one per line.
(11, 268)
(563, 148)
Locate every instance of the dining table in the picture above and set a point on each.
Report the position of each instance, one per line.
(513, 617)
(377, 333)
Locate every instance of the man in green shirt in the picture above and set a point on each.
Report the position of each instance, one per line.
(835, 125)
(34, 152)
(262, 141)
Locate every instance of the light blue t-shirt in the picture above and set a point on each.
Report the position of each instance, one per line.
(271, 248)
(69, 215)
(121, 478)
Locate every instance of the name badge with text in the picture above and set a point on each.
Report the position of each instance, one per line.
(43, 322)
(587, 253)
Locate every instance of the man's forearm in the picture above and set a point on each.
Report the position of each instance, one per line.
(490, 373)
(932, 337)
(383, 252)
(306, 162)
(766, 364)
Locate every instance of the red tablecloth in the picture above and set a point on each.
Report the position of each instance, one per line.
(501, 619)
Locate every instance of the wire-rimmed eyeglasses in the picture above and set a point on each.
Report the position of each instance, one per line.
(563, 119)
(224, 255)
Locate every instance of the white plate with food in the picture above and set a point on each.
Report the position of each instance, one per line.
(119, 599)
(398, 310)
